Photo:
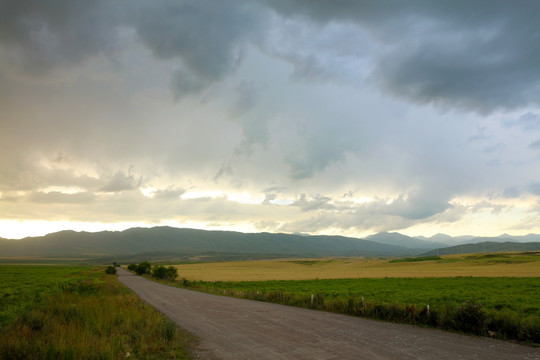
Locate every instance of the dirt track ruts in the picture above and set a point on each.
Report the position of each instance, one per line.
(231, 328)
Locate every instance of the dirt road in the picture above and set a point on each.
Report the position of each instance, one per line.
(232, 328)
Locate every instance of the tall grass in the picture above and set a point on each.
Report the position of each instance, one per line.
(93, 318)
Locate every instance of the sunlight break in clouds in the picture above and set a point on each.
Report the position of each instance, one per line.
(283, 116)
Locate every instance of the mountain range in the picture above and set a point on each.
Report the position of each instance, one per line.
(176, 244)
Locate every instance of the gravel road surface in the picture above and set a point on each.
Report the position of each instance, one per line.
(232, 328)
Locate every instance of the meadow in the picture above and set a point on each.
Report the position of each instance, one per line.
(486, 294)
(21, 287)
(81, 313)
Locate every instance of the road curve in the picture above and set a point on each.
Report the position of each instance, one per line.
(231, 328)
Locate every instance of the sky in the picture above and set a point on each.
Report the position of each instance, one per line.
(320, 117)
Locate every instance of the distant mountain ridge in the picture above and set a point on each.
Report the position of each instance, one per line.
(485, 247)
(398, 239)
(469, 239)
(176, 244)
(168, 242)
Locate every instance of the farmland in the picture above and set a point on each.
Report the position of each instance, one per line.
(479, 265)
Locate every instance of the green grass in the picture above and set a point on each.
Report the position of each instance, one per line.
(416, 259)
(505, 258)
(88, 315)
(21, 287)
(510, 307)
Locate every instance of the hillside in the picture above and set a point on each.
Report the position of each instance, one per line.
(167, 243)
(486, 246)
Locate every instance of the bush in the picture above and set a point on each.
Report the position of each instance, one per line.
(161, 272)
(111, 270)
(132, 267)
(143, 268)
(470, 318)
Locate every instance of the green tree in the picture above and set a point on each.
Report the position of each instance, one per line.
(172, 273)
(111, 270)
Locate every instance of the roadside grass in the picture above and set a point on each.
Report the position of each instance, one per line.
(92, 316)
(506, 308)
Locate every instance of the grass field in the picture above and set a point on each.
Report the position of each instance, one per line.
(478, 265)
(504, 294)
(21, 287)
(81, 313)
(497, 294)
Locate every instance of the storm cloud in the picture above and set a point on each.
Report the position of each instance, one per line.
(260, 115)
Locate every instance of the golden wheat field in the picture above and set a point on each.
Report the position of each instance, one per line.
(478, 265)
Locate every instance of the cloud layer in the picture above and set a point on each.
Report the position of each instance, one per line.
(272, 115)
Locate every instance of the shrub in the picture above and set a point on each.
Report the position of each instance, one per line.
(132, 267)
(172, 273)
(470, 318)
(143, 268)
(111, 270)
(161, 272)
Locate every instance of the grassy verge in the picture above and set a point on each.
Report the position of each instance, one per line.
(506, 308)
(92, 317)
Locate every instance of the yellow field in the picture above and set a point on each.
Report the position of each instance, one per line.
(496, 265)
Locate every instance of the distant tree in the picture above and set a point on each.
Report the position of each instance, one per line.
(111, 270)
(172, 273)
(132, 267)
(143, 268)
(161, 272)
(116, 264)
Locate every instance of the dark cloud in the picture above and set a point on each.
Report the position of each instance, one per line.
(46, 35)
(225, 169)
(495, 208)
(169, 193)
(268, 198)
(317, 202)
(205, 38)
(419, 205)
(471, 55)
(121, 182)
